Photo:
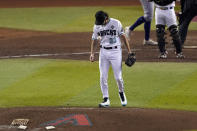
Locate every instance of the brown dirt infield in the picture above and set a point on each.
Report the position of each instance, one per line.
(20, 43)
(62, 3)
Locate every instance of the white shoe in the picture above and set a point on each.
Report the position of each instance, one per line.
(127, 32)
(123, 98)
(150, 42)
(105, 103)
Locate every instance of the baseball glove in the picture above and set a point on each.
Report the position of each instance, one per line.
(130, 60)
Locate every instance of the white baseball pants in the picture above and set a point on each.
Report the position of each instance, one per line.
(111, 57)
(165, 17)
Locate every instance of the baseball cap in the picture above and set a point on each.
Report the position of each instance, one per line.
(100, 17)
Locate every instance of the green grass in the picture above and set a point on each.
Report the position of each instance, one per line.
(50, 85)
(67, 19)
(13, 70)
(30, 82)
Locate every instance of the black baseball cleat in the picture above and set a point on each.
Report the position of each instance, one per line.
(163, 55)
(123, 98)
(105, 103)
(180, 55)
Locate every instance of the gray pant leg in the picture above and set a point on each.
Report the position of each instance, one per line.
(148, 8)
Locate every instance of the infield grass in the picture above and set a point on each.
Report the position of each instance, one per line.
(68, 19)
(37, 82)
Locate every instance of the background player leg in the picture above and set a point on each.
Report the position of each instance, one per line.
(160, 31)
(170, 18)
(176, 40)
(128, 29)
(138, 22)
(183, 27)
(148, 8)
(147, 26)
(148, 16)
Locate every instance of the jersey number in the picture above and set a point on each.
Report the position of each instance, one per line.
(112, 40)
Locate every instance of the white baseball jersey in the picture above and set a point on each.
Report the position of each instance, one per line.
(167, 16)
(109, 33)
(110, 37)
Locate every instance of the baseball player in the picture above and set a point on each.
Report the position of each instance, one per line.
(148, 8)
(188, 12)
(165, 15)
(109, 32)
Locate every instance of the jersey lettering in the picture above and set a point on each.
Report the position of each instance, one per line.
(107, 32)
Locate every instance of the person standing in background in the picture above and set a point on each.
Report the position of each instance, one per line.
(188, 12)
(148, 8)
(165, 16)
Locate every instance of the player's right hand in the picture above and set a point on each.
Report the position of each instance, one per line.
(92, 57)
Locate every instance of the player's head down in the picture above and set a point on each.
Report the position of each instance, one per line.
(101, 17)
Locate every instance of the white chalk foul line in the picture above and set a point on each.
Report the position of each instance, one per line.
(78, 108)
(78, 53)
(55, 54)
(45, 55)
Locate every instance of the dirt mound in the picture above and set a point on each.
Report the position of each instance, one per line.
(116, 119)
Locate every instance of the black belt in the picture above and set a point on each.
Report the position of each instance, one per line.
(108, 48)
(165, 8)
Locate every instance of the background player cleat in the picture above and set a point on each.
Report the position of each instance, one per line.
(150, 42)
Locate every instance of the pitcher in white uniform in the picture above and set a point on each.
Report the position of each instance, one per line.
(109, 32)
